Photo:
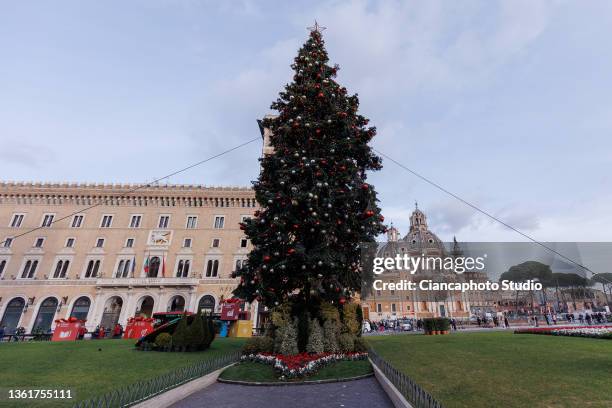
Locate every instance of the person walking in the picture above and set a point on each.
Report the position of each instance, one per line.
(506, 322)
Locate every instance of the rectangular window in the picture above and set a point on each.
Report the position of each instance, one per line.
(7, 242)
(219, 221)
(70, 243)
(215, 243)
(187, 243)
(77, 221)
(99, 242)
(135, 221)
(244, 242)
(408, 308)
(38, 243)
(47, 220)
(2, 266)
(164, 220)
(192, 222)
(393, 310)
(243, 218)
(129, 243)
(17, 220)
(378, 308)
(107, 221)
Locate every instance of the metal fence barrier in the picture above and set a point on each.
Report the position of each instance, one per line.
(417, 396)
(134, 393)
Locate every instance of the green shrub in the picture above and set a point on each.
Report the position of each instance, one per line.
(349, 319)
(163, 340)
(330, 336)
(442, 324)
(256, 345)
(429, 325)
(359, 319)
(194, 339)
(289, 340)
(346, 342)
(251, 346)
(315, 339)
(179, 337)
(266, 344)
(360, 345)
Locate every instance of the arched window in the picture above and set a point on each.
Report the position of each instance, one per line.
(177, 304)
(207, 304)
(212, 268)
(46, 313)
(92, 268)
(58, 269)
(126, 269)
(154, 267)
(2, 266)
(64, 269)
(119, 269)
(29, 269)
(12, 315)
(182, 270)
(80, 309)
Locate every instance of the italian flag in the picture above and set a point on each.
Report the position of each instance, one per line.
(146, 266)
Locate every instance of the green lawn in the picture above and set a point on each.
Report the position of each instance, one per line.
(89, 368)
(251, 371)
(501, 369)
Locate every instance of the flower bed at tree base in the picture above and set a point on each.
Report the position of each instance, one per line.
(301, 365)
(595, 332)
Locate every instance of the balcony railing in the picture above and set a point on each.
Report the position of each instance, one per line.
(147, 282)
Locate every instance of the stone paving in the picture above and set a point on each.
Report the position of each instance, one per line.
(364, 393)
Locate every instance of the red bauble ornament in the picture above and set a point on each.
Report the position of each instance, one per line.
(318, 131)
(365, 186)
(266, 258)
(342, 300)
(291, 251)
(320, 95)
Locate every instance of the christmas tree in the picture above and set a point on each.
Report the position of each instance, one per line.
(316, 206)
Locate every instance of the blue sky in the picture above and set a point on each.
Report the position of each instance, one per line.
(507, 104)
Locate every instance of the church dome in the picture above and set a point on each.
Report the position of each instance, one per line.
(418, 239)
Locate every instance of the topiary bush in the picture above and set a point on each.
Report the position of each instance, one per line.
(179, 337)
(315, 339)
(163, 341)
(194, 338)
(289, 342)
(330, 336)
(349, 319)
(346, 342)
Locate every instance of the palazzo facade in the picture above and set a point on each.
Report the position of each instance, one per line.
(105, 252)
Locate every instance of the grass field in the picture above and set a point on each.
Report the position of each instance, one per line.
(501, 369)
(89, 368)
(251, 371)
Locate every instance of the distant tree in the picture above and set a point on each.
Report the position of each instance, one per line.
(529, 270)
